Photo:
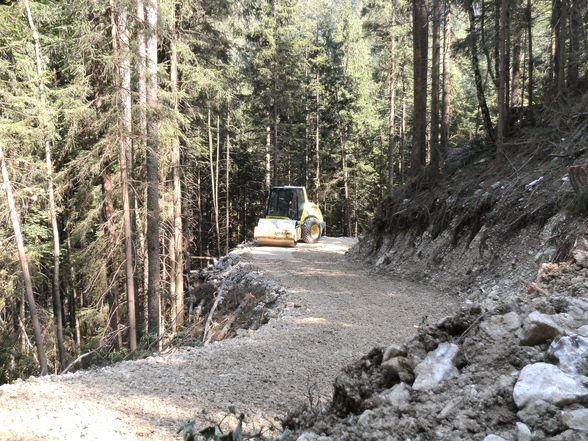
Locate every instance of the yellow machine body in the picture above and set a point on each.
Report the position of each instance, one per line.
(290, 218)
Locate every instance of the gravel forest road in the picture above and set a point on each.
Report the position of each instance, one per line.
(333, 312)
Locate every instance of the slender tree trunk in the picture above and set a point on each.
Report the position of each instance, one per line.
(477, 75)
(420, 54)
(391, 126)
(178, 257)
(268, 159)
(213, 174)
(24, 263)
(502, 83)
(120, 44)
(515, 83)
(306, 118)
(558, 48)
(50, 186)
(446, 98)
(575, 33)
(277, 156)
(216, 193)
(153, 253)
(435, 87)
(227, 180)
(531, 62)
(141, 146)
(114, 292)
(403, 132)
(317, 145)
(491, 66)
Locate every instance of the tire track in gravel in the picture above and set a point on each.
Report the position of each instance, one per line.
(333, 313)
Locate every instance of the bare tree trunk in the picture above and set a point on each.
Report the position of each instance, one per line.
(120, 44)
(420, 54)
(216, 193)
(140, 145)
(114, 292)
(24, 263)
(227, 180)
(435, 86)
(575, 33)
(213, 175)
(403, 133)
(268, 159)
(317, 145)
(502, 83)
(477, 75)
(50, 186)
(531, 62)
(558, 47)
(178, 257)
(391, 128)
(153, 291)
(306, 118)
(515, 82)
(446, 99)
(347, 213)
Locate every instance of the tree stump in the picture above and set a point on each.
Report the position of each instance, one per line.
(579, 177)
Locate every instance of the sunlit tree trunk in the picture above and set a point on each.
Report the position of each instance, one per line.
(140, 146)
(153, 252)
(227, 180)
(217, 185)
(120, 44)
(113, 287)
(178, 252)
(317, 145)
(268, 159)
(50, 186)
(24, 263)
(531, 61)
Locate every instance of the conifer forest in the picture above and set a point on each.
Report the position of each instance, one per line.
(138, 138)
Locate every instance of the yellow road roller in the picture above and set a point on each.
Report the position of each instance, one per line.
(290, 217)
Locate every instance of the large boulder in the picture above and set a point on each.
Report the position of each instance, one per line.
(547, 382)
(436, 367)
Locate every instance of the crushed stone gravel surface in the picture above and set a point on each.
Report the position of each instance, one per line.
(332, 313)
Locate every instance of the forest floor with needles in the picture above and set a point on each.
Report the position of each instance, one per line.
(332, 312)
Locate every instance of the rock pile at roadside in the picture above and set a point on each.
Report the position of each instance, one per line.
(515, 372)
(232, 297)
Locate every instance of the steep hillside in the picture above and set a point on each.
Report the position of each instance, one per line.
(484, 231)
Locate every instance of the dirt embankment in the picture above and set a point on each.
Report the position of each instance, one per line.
(330, 313)
(513, 364)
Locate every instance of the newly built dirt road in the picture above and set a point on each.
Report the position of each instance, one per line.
(334, 312)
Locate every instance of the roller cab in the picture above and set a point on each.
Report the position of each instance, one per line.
(290, 217)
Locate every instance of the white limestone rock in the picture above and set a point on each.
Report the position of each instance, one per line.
(494, 438)
(572, 354)
(576, 419)
(436, 367)
(546, 382)
(523, 432)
